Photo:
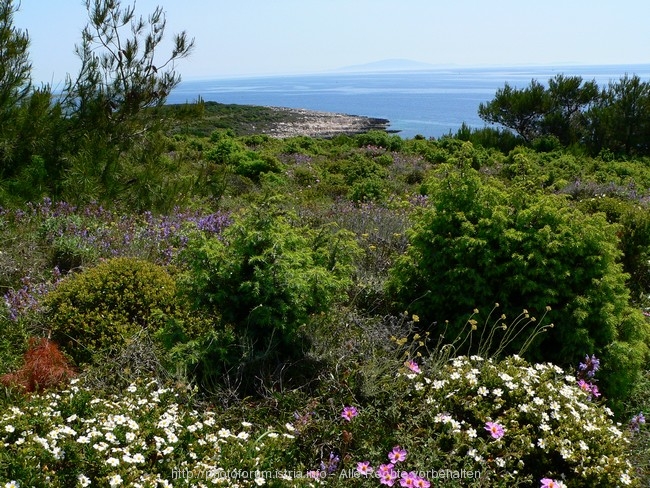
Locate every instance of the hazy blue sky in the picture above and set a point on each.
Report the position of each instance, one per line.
(246, 37)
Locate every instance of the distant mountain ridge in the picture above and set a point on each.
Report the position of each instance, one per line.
(388, 65)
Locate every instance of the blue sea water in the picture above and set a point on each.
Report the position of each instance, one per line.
(430, 103)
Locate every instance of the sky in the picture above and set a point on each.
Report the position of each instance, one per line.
(280, 37)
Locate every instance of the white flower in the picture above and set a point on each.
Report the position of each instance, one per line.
(130, 436)
(471, 433)
(273, 435)
(12, 484)
(541, 443)
(497, 392)
(115, 480)
(168, 450)
(9, 428)
(83, 480)
(259, 481)
(246, 424)
(438, 384)
(625, 479)
(132, 388)
(138, 458)
(505, 377)
(100, 446)
(111, 461)
(243, 435)
(615, 431)
(483, 391)
(289, 427)
(500, 462)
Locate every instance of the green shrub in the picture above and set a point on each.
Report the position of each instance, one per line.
(253, 165)
(266, 276)
(102, 308)
(634, 238)
(380, 139)
(479, 244)
(360, 168)
(371, 189)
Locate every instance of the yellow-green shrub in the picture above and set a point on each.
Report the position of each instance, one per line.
(102, 307)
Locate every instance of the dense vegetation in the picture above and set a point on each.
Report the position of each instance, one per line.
(185, 299)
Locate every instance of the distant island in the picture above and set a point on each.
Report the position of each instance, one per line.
(388, 65)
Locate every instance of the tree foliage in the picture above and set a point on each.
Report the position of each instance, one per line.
(537, 110)
(620, 121)
(121, 74)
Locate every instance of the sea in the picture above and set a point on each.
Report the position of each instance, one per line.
(430, 103)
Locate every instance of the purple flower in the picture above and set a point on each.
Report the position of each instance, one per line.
(590, 366)
(331, 465)
(349, 413)
(495, 430)
(636, 422)
(364, 468)
(397, 455)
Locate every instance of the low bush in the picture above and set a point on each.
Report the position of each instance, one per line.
(146, 436)
(509, 423)
(102, 308)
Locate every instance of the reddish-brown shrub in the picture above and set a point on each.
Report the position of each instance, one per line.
(44, 366)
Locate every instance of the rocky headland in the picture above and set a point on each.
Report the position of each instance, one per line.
(203, 119)
(300, 122)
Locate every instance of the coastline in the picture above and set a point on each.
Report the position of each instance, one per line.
(311, 123)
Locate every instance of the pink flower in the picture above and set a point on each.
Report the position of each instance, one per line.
(421, 483)
(349, 413)
(549, 483)
(385, 468)
(495, 430)
(397, 455)
(388, 477)
(364, 468)
(408, 479)
(413, 366)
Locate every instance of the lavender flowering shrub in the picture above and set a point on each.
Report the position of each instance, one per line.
(62, 238)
